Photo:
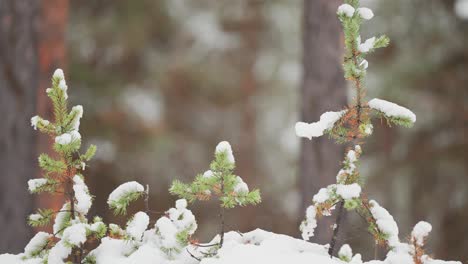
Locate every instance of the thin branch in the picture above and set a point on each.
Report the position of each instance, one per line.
(190, 253)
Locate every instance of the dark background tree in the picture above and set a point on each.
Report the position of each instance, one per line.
(52, 55)
(19, 79)
(323, 89)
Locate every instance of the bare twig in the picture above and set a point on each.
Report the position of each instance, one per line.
(336, 230)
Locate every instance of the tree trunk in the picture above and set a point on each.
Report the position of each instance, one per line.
(322, 89)
(52, 55)
(18, 85)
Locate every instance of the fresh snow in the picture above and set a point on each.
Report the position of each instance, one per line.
(420, 231)
(78, 109)
(224, 146)
(322, 195)
(123, 190)
(208, 174)
(83, 199)
(367, 45)
(316, 129)
(345, 253)
(58, 74)
(68, 138)
(57, 253)
(392, 109)
(35, 217)
(365, 13)
(346, 9)
(364, 64)
(34, 184)
(310, 223)
(461, 9)
(181, 204)
(36, 244)
(75, 234)
(257, 246)
(138, 225)
(385, 223)
(60, 219)
(348, 192)
(35, 120)
(241, 186)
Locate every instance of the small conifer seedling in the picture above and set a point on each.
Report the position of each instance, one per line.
(219, 181)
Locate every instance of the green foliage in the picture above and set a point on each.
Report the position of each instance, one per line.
(90, 259)
(221, 182)
(41, 218)
(396, 120)
(352, 204)
(99, 228)
(89, 154)
(49, 164)
(120, 206)
(116, 231)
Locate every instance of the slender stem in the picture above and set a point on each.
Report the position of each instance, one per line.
(76, 252)
(221, 215)
(147, 208)
(193, 256)
(376, 251)
(337, 228)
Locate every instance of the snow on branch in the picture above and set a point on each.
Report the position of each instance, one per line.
(385, 223)
(393, 113)
(123, 195)
(317, 129)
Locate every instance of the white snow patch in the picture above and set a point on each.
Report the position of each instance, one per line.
(461, 9)
(123, 190)
(83, 199)
(385, 223)
(367, 45)
(34, 184)
(365, 13)
(346, 9)
(241, 186)
(36, 244)
(309, 224)
(316, 129)
(392, 109)
(322, 195)
(75, 234)
(208, 174)
(420, 231)
(345, 252)
(58, 74)
(138, 225)
(224, 146)
(58, 253)
(349, 191)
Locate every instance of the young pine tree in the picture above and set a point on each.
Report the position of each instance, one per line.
(219, 181)
(63, 173)
(353, 124)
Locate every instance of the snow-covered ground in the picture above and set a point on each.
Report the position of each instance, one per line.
(254, 247)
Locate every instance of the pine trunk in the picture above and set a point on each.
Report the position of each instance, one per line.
(52, 55)
(18, 85)
(322, 89)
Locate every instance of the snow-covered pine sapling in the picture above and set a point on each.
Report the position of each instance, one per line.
(174, 230)
(219, 181)
(418, 236)
(118, 201)
(63, 173)
(353, 124)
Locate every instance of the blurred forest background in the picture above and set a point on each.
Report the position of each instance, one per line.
(163, 81)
